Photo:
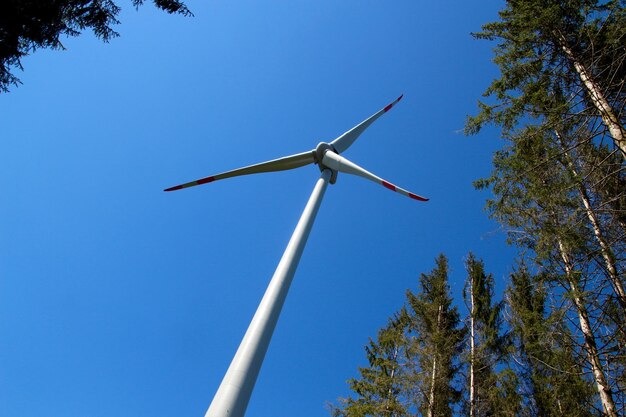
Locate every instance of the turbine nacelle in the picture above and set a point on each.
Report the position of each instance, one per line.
(325, 155)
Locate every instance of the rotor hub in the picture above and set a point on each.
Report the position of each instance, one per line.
(318, 154)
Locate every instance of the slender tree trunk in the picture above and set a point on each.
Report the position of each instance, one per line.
(602, 385)
(607, 113)
(391, 377)
(433, 378)
(472, 388)
(605, 248)
(431, 396)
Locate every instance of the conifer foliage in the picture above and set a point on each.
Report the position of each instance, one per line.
(27, 25)
(437, 342)
(560, 105)
(551, 379)
(487, 346)
(573, 46)
(414, 363)
(556, 344)
(381, 390)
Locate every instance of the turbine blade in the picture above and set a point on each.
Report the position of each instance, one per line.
(344, 141)
(280, 164)
(341, 164)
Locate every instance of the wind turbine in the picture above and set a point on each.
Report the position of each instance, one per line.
(234, 392)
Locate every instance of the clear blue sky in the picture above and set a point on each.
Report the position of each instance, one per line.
(117, 299)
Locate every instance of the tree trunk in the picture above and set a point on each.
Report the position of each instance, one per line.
(604, 390)
(607, 113)
(472, 387)
(605, 248)
(431, 396)
(433, 378)
(391, 377)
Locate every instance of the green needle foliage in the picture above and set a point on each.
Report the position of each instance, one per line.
(381, 391)
(572, 48)
(557, 184)
(538, 200)
(491, 388)
(413, 365)
(552, 381)
(438, 340)
(559, 191)
(28, 25)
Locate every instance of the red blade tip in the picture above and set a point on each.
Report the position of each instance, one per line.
(389, 106)
(191, 184)
(417, 197)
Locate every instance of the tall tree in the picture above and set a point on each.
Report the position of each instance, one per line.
(557, 190)
(28, 25)
(575, 163)
(554, 45)
(552, 379)
(438, 341)
(487, 344)
(380, 390)
(413, 365)
(534, 199)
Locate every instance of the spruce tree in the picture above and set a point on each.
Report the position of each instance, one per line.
(552, 380)
(557, 45)
(437, 338)
(534, 199)
(380, 390)
(413, 365)
(556, 184)
(490, 387)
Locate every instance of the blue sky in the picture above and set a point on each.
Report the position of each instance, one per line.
(117, 299)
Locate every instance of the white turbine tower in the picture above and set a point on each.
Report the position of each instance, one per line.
(235, 390)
